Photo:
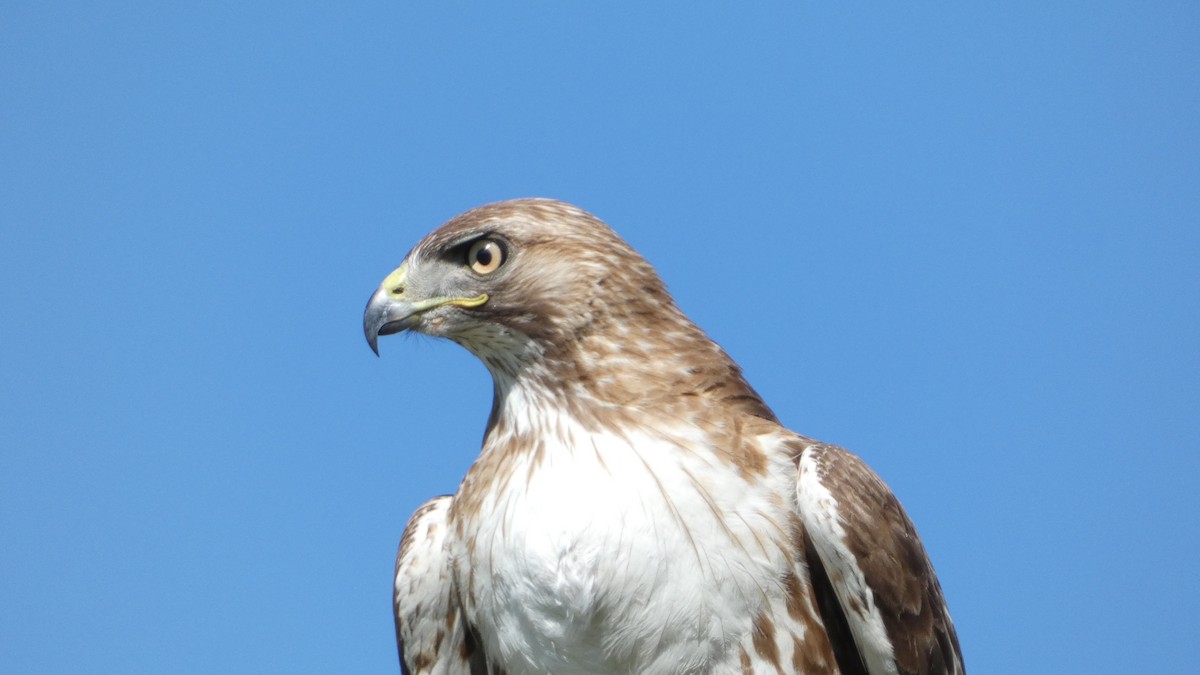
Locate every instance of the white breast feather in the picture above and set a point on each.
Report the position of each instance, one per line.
(588, 566)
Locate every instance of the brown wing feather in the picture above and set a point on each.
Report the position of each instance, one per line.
(429, 631)
(861, 532)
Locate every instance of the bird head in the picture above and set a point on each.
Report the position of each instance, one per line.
(545, 293)
(514, 280)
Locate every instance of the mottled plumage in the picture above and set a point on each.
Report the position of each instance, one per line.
(636, 506)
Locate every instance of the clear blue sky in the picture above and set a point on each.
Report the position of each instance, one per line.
(962, 242)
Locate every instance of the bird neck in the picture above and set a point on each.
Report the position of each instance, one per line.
(604, 375)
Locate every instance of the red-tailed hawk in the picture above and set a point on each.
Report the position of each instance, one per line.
(636, 506)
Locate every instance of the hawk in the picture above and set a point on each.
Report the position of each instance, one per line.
(636, 507)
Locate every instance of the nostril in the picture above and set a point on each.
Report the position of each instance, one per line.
(397, 290)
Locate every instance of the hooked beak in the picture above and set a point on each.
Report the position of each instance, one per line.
(385, 315)
(392, 310)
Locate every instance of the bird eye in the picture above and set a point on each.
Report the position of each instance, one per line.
(485, 256)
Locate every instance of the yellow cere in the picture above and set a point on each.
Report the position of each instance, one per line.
(396, 278)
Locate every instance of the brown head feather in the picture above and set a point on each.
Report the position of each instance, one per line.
(575, 306)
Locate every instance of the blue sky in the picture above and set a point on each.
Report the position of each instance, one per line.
(961, 241)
